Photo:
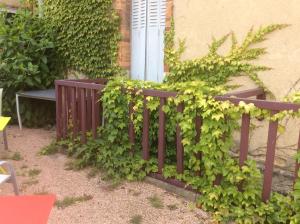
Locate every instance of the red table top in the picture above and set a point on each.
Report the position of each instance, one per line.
(25, 209)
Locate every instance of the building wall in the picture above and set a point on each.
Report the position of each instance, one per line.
(123, 8)
(11, 3)
(197, 21)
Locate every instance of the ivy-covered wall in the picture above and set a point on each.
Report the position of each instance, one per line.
(197, 21)
(87, 35)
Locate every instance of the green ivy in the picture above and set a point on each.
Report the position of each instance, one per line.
(215, 68)
(87, 35)
(237, 198)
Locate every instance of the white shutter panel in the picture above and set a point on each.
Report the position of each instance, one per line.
(156, 19)
(138, 42)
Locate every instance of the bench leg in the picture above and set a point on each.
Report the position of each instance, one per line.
(5, 139)
(12, 178)
(18, 112)
(14, 183)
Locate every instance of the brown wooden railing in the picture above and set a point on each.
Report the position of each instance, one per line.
(78, 101)
(274, 107)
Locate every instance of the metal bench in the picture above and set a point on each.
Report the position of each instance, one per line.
(48, 94)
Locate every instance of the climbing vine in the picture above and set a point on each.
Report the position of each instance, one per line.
(215, 68)
(87, 35)
(238, 195)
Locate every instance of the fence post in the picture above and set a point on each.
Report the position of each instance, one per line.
(198, 124)
(270, 157)
(74, 112)
(64, 111)
(179, 145)
(58, 94)
(89, 109)
(99, 109)
(83, 115)
(94, 114)
(145, 141)
(131, 132)
(161, 136)
(297, 163)
(244, 144)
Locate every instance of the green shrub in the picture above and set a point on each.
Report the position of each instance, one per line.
(27, 61)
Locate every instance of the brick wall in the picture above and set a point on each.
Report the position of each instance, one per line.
(169, 13)
(123, 8)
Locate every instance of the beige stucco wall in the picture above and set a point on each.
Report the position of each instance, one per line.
(11, 3)
(197, 21)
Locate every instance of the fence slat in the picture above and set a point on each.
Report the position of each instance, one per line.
(65, 112)
(88, 109)
(83, 115)
(270, 157)
(58, 93)
(244, 144)
(145, 141)
(161, 136)
(78, 96)
(94, 113)
(74, 112)
(198, 125)
(297, 164)
(131, 128)
(98, 109)
(179, 145)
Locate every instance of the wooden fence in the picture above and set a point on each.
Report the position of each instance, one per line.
(78, 101)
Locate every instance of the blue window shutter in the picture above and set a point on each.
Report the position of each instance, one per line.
(138, 36)
(156, 17)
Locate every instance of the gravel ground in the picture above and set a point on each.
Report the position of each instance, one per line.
(126, 203)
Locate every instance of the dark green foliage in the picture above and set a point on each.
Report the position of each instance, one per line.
(87, 35)
(27, 62)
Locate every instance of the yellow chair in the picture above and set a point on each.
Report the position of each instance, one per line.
(3, 122)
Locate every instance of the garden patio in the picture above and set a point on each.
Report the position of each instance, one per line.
(119, 115)
(91, 199)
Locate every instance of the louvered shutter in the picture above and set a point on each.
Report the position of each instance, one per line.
(156, 19)
(138, 35)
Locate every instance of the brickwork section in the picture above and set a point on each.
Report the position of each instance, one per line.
(123, 8)
(169, 13)
(169, 16)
